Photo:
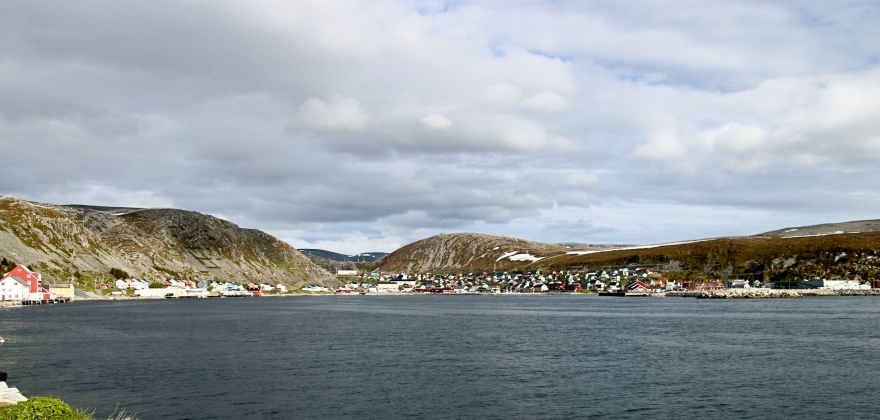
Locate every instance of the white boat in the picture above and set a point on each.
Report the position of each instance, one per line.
(2, 341)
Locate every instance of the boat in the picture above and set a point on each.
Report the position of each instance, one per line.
(2, 341)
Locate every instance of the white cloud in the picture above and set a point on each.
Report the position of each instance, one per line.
(545, 101)
(501, 92)
(437, 122)
(738, 138)
(338, 113)
(285, 115)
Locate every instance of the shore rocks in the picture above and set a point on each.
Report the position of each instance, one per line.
(10, 396)
(771, 293)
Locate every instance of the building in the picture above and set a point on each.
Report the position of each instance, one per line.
(637, 288)
(62, 291)
(387, 287)
(13, 288)
(817, 283)
(346, 272)
(34, 290)
(737, 284)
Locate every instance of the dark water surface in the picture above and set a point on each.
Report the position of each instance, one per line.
(368, 357)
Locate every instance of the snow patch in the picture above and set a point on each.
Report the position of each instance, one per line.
(506, 254)
(525, 257)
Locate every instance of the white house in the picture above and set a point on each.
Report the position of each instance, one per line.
(121, 284)
(13, 288)
(281, 288)
(346, 272)
(387, 287)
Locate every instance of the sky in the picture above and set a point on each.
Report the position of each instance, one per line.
(359, 126)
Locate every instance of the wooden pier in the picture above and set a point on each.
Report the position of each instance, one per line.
(46, 301)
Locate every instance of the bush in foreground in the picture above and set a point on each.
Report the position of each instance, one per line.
(39, 408)
(45, 408)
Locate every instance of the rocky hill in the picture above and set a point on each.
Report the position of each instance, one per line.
(771, 256)
(467, 252)
(74, 242)
(776, 258)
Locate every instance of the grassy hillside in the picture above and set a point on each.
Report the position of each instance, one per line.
(82, 244)
(850, 255)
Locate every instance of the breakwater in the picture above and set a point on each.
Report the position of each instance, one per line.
(771, 293)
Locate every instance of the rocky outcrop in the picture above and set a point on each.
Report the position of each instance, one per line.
(67, 242)
(10, 396)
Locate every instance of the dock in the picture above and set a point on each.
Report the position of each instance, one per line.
(46, 301)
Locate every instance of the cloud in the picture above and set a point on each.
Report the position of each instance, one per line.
(338, 113)
(545, 101)
(501, 92)
(332, 122)
(437, 122)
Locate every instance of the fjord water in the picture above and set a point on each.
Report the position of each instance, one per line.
(366, 357)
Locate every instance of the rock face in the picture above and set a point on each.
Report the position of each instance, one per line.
(65, 242)
(468, 252)
(10, 396)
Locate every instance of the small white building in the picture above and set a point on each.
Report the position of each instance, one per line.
(346, 272)
(13, 288)
(281, 288)
(832, 284)
(387, 287)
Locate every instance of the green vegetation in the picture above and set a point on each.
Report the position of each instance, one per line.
(6, 265)
(39, 408)
(119, 274)
(156, 285)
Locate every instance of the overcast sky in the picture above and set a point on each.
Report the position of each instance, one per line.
(365, 125)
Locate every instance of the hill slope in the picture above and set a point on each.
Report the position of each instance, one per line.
(853, 256)
(67, 242)
(467, 252)
(860, 226)
(766, 257)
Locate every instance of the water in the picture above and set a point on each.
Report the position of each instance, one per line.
(426, 357)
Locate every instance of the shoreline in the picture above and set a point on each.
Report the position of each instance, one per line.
(713, 294)
(772, 293)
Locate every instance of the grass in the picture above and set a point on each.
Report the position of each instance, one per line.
(40, 408)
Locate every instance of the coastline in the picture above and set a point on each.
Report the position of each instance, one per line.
(772, 293)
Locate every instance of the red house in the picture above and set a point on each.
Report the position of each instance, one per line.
(29, 277)
(637, 288)
(32, 279)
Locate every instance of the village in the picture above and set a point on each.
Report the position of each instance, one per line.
(25, 287)
(617, 281)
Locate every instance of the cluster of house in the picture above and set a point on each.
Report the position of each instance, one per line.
(189, 288)
(613, 280)
(23, 285)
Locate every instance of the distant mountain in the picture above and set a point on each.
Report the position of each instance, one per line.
(83, 243)
(335, 256)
